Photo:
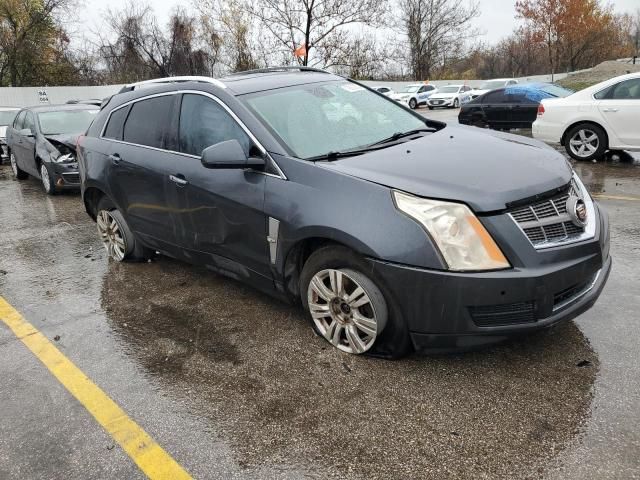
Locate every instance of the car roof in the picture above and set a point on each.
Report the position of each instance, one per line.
(261, 80)
(57, 108)
(8, 109)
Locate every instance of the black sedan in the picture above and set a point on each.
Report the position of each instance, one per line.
(42, 143)
(515, 106)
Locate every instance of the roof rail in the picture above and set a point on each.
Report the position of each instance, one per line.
(158, 81)
(280, 69)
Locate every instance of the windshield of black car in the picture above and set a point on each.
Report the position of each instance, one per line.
(492, 84)
(6, 117)
(65, 121)
(316, 119)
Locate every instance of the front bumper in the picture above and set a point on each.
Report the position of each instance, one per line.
(440, 102)
(449, 311)
(65, 175)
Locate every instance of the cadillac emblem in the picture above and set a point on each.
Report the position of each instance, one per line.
(577, 210)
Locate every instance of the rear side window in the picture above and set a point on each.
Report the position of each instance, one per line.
(203, 122)
(627, 90)
(116, 124)
(146, 122)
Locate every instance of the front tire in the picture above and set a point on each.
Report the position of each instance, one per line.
(456, 103)
(585, 142)
(117, 237)
(349, 308)
(48, 181)
(413, 104)
(18, 173)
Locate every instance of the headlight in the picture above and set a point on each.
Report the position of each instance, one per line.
(462, 240)
(69, 157)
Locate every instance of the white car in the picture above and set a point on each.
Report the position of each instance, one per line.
(7, 114)
(590, 122)
(492, 84)
(415, 95)
(451, 96)
(384, 90)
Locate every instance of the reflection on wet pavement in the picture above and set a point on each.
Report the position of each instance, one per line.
(278, 393)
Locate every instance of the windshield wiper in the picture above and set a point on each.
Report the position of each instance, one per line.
(399, 135)
(369, 148)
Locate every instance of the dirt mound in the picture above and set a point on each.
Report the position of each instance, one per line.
(599, 73)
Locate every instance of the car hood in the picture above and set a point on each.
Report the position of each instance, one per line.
(64, 138)
(484, 169)
(478, 91)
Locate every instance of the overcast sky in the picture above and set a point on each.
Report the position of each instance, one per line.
(496, 21)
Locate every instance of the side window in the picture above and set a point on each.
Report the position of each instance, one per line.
(19, 122)
(496, 96)
(203, 122)
(116, 124)
(511, 82)
(627, 90)
(422, 89)
(146, 122)
(29, 122)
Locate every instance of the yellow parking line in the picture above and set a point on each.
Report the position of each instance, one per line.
(148, 455)
(617, 197)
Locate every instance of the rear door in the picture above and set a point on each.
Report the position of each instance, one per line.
(13, 137)
(497, 108)
(620, 108)
(221, 211)
(140, 169)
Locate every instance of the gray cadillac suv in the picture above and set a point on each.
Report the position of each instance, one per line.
(393, 231)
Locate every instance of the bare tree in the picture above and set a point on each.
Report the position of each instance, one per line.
(318, 26)
(435, 30)
(140, 48)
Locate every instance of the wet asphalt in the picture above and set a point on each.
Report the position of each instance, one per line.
(234, 384)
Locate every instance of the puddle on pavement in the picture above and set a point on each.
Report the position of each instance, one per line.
(277, 394)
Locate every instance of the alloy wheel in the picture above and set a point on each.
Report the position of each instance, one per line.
(44, 176)
(584, 143)
(342, 311)
(111, 235)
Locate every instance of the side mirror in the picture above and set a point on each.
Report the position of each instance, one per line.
(26, 132)
(229, 154)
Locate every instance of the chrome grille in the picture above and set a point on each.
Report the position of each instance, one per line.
(547, 223)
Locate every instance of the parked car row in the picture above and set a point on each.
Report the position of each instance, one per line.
(393, 231)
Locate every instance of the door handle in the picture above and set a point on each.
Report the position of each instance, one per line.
(178, 180)
(609, 109)
(115, 158)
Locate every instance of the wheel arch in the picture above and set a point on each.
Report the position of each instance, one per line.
(91, 198)
(563, 139)
(299, 252)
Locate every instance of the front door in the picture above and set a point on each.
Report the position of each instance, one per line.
(25, 147)
(497, 109)
(221, 210)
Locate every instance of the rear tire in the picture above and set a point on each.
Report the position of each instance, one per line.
(118, 239)
(18, 173)
(586, 142)
(334, 311)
